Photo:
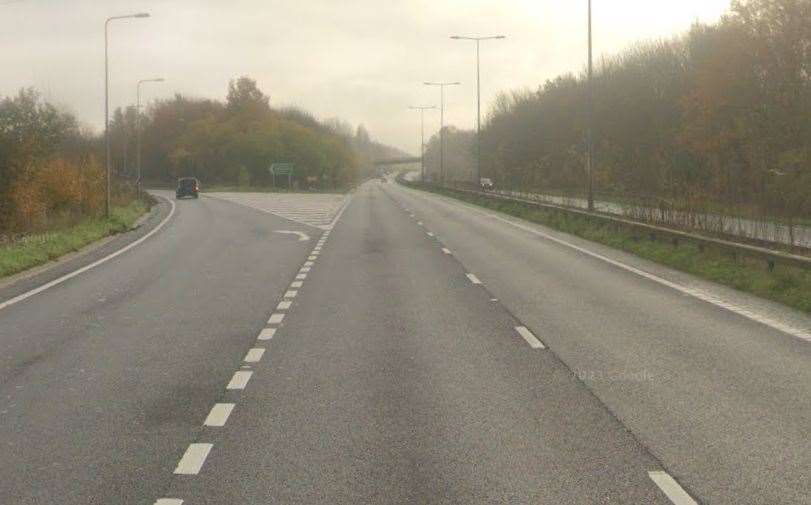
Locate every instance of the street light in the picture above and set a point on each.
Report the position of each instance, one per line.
(478, 174)
(422, 109)
(138, 131)
(107, 101)
(590, 134)
(442, 124)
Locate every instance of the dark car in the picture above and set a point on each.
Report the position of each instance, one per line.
(187, 186)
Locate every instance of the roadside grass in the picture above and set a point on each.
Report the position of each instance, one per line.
(788, 285)
(37, 249)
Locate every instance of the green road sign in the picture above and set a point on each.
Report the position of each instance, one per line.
(282, 169)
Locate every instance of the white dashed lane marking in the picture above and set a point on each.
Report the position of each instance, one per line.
(304, 269)
(296, 284)
(309, 263)
(254, 355)
(697, 293)
(531, 339)
(291, 294)
(219, 414)
(192, 461)
(169, 501)
(284, 305)
(312, 258)
(239, 380)
(301, 276)
(276, 319)
(429, 234)
(473, 279)
(446, 250)
(267, 334)
(671, 488)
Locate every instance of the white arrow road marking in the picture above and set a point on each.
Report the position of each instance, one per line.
(302, 237)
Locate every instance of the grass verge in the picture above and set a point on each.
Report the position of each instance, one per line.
(35, 250)
(788, 285)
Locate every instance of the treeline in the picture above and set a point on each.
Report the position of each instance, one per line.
(52, 170)
(234, 143)
(715, 121)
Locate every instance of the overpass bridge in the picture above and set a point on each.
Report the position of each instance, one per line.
(384, 162)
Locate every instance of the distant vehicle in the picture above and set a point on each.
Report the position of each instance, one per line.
(486, 184)
(187, 186)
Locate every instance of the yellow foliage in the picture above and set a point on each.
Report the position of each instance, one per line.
(56, 189)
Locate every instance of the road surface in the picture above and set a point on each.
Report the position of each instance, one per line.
(398, 347)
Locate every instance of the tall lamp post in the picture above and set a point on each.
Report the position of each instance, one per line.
(107, 102)
(590, 134)
(442, 124)
(478, 174)
(138, 131)
(422, 109)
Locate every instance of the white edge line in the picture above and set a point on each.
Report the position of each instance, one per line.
(193, 459)
(671, 488)
(85, 268)
(694, 292)
(339, 214)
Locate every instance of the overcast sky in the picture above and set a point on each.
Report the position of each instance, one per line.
(361, 60)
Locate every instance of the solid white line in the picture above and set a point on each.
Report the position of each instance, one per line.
(671, 488)
(239, 380)
(296, 284)
(60, 280)
(254, 355)
(531, 339)
(696, 293)
(473, 279)
(219, 414)
(266, 334)
(800, 333)
(169, 501)
(284, 305)
(192, 461)
(446, 250)
(290, 294)
(301, 276)
(275, 318)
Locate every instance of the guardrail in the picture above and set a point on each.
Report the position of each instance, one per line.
(771, 256)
